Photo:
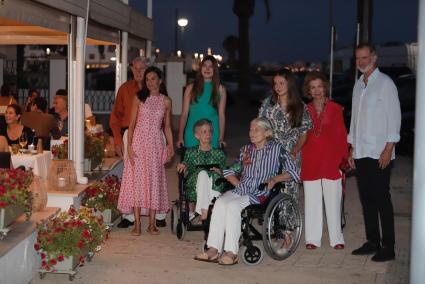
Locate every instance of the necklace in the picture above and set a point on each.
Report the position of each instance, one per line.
(318, 130)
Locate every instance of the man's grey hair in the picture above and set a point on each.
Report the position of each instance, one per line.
(141, 59)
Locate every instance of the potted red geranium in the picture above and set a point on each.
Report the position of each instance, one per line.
(15, 197)
(65, 241)
(103, 196)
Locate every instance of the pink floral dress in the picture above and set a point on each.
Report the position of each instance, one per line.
(144, 184)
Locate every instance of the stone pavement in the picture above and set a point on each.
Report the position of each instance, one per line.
(164, 259)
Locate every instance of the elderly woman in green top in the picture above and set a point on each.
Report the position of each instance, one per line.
(200, 181)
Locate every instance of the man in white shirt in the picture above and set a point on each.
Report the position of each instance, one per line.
(374, 130)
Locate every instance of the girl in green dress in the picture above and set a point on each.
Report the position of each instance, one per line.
(200, 182)
(205, 98)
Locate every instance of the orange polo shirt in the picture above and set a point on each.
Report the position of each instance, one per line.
(121, 112)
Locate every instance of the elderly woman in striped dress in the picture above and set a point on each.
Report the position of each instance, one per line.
(259, 162)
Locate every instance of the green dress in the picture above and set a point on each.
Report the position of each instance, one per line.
(203, 108)
(193, 157)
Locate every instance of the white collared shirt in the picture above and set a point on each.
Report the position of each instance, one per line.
(375, 116)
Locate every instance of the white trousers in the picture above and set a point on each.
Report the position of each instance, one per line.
(331, 192)
(204, 192)
(130, 217)
(225, 226)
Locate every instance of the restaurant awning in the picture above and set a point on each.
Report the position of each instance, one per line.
(48, 21)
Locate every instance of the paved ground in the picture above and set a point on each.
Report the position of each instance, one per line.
(164, 259)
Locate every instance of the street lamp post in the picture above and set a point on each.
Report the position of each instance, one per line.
(181, 23)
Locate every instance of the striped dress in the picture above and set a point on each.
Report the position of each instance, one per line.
(255, 166)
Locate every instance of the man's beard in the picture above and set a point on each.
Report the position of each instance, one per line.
(366, 69)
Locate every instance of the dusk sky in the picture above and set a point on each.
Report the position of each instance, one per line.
(297, 30)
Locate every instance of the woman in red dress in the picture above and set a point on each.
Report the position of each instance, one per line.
(323, 152)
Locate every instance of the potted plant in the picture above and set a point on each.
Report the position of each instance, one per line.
(103, 196)
(60, 151)
(15, 197)
(94, 148)
(64, 241)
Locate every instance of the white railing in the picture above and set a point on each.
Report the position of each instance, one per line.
(101, 102)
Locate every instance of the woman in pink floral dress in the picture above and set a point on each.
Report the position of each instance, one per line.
(144, 186)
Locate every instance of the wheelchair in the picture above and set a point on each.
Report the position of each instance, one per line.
(280, 223)
(180, 222)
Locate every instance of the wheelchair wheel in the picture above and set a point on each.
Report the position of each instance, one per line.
(180, 230)
(282, 227)
(174, 218)
(252, 255)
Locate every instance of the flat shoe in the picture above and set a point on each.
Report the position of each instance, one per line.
(228, 260)
(204, 257)
(339, 246)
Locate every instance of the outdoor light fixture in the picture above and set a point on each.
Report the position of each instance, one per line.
(113, 58)
(196, 55)
(47, 51)
(182, 22)
(179, 53)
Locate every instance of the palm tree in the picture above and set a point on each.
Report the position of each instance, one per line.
(244, 9)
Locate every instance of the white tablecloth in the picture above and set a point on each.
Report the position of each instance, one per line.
(39, 163)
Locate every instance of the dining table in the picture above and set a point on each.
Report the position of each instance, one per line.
(39, 163)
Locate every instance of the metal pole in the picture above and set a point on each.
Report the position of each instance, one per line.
(176, 33)
(417, 253)
(357, 43)
(149, 43)
(331, 69)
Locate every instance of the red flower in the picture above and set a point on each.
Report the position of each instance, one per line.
(37, 246)
(61, 257)
(3, 204)
(13, 197)
(86, 234)
(43, 255)
(82, 260)
(53, 261)
(80, 244)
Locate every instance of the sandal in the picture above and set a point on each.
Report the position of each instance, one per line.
(204, 257)
(228, 259)
(152, 230)
(310, 246)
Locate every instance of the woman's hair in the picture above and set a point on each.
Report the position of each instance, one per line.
(16, 108)
(295, 107)
(33, 91)
(198, 84)
(201, 123)
(264, 124)
(6, 90)
(144, 93)
(311, 76)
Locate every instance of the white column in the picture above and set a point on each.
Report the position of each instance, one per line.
(76, 100)
(124, 57)
(175, 84)
(57, 76)
(417, 252)
(118, 81)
